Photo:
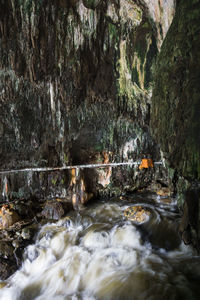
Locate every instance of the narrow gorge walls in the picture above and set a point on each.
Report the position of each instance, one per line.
(176, 98)
(175, 112)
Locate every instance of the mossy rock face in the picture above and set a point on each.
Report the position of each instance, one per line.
(175, 109)
(78, 77)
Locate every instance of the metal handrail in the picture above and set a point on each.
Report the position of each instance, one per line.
(46, 169)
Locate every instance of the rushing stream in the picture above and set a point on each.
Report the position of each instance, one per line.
(98, 254)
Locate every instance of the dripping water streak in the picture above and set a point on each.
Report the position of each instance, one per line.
(51, 91)
(5, 188)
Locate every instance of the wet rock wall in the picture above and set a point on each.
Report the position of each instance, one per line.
(75, 82)
(175, 110)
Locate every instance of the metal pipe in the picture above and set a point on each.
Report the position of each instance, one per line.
(73, 167)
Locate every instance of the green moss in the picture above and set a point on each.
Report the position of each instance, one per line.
(98, 148)
(126, 87)
(145, 25)
(113, 32)
(66, 158)
(141, 50)
(28, 6)
(135, 76)
(53, 181)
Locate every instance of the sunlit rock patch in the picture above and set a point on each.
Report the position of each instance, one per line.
(137, 214)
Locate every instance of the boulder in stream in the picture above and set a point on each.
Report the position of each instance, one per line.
(7, 268)
(53, 210)
(164, 191)
(137, 214)
(8, 217)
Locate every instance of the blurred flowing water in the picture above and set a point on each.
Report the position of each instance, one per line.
(98, 254)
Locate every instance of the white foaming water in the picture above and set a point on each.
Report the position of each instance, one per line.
(84, 257)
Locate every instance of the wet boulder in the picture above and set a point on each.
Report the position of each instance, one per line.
(188, 227)
(26, 233)
(164, 192)
(137, 214)
(162, 235)
(7, 268)
(53, 210)
(24, 208)
(6, 250)
(2, 284)
(8, 217)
